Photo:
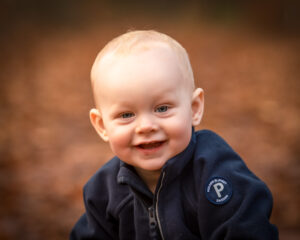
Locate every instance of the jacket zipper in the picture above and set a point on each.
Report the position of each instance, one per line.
(156, 207)
(152, 223)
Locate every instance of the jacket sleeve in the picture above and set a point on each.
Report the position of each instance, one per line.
(100, 220)
(95, 223)
(84, 230)
(241, 208)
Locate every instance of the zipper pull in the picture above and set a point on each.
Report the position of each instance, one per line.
(152, 222)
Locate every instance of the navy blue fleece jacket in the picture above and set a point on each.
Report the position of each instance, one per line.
(205, 192)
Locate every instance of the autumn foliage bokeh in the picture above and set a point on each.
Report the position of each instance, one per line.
(245, 58)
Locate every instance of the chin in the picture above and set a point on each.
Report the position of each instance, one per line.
(153, 166)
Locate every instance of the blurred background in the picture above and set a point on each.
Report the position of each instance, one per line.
(245, 55)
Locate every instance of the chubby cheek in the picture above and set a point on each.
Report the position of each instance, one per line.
(120, 140)
(179, 131)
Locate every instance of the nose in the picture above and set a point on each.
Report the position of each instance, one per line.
(146, 124)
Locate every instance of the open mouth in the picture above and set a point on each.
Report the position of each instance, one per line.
(151, 145)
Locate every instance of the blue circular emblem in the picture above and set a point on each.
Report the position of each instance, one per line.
(218, 190)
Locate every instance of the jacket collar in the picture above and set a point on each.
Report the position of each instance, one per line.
(173, 167)
(128, 175)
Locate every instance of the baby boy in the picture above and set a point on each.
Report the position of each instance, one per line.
(166, 181)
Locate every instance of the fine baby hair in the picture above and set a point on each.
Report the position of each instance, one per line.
(142, 40)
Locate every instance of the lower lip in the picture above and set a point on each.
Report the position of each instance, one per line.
(149, 151)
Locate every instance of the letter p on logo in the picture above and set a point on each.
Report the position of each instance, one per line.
(219, 187)
(218, 190)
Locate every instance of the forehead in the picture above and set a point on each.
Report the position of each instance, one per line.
(148, 62)
(139, 41)
(116, 54)
(143, 69)
(141, 57)
(140, 80)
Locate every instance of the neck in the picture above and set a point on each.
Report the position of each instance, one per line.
(149, 177)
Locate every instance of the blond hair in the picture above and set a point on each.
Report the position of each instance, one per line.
(142, 40)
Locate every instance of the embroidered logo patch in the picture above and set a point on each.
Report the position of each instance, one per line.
(218, 190)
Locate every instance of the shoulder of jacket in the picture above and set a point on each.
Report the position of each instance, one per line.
(214, 157)
(209, 142)
(103, 184)
(218, 167)
(103, 190)
(104, 175)
(206, 135)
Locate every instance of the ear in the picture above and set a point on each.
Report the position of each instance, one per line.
(97, 122)
(197, 106)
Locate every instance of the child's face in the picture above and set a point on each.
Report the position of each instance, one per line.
(146, 110)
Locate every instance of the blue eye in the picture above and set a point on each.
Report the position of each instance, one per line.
(127, 115)
(162, 109)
